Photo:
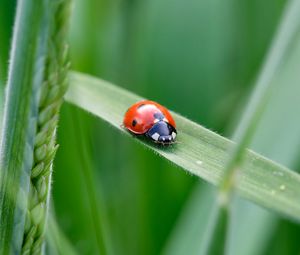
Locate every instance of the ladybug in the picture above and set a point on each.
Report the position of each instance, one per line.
(152, 120)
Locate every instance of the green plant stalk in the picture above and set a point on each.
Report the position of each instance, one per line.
(287, 31)
(57, 240)
(53, 89)
(199, 151)
(217, 231)
(20, 117)
(95, 200)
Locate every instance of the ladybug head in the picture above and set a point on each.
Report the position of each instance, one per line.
(162, 132)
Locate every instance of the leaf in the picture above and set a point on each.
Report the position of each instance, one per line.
(199, 151)
(190, 229)
(283, 40)
(272, 131)
(260, 224)
(57, 241)
(94, 198)
(20, 116)
(53, 87)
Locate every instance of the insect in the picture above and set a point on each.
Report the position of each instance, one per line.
(152, 120)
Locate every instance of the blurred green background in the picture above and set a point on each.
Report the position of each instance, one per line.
(199, 58)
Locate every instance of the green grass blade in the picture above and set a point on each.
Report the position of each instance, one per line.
(20, 116)
(28, 147)
(271, 132)
(57, 240)
(94, 198)
(259, 224)
(285, 132)
(198, 151)
(53, 87)
(217, 231)
(284, 38)
(190, 229)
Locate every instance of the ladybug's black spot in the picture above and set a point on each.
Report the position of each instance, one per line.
(134, 122)
(140, 106)
(158, 115)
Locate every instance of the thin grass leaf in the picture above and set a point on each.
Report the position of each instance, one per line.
(199, 151)
(285, 36)
(217, 230)
(259, 224)
(246, 217)
(58, 242)
(189, 231)
(51, 97)
(28, 146)
(20, 118)
(95, 201)
(287, 31)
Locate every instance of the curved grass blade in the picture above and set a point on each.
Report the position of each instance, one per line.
(94, 198)
(258, 223)
(57, 241)
(284, 38)
(199, 151)
(190, 229)
(217, 230)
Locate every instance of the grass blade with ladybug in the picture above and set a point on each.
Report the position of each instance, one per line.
(151, 120)
(199, 151)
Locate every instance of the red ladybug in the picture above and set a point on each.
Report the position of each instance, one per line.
(152, 120)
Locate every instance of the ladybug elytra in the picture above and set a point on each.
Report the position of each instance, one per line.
(152, 120)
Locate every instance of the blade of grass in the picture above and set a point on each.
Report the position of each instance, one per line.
(218, 230)
(20, 117)
(285, 36)
(28, 146)
(285, 132)
(189, 232)
(259, 224)
(6, 22)
(95, 200)
(57, 239)
(51, 97)
(198, 151)
(288, 28)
